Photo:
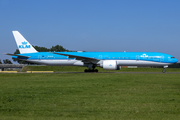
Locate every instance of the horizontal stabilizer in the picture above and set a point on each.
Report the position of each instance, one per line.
(17, 55)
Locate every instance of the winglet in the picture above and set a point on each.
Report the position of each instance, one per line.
(23, 45)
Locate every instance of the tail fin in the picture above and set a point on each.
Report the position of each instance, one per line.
(23, 45)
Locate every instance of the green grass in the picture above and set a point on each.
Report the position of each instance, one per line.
(81, 69)
(89, 96)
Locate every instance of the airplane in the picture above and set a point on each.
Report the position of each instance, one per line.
(106, 60)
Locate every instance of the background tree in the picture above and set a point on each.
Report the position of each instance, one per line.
(0, 61)
(41, 49)
(7, 61)
(57, 48)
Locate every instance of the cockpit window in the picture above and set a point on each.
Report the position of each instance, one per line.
(172, 57)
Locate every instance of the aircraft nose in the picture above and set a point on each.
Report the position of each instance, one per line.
(176, 60)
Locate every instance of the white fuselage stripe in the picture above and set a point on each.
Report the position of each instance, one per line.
(119, 62)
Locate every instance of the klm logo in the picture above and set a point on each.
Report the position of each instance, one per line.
(24, 45)
(110, 65)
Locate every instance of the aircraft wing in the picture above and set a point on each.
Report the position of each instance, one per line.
(84, 59)
(17, 55)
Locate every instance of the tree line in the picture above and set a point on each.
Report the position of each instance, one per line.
(6, 61)
(57, 48)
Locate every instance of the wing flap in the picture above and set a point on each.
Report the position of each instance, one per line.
(84, 59)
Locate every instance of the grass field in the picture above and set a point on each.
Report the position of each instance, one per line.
(89, 96)
(81, 69)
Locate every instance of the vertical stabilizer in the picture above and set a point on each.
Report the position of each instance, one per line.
(23, 45)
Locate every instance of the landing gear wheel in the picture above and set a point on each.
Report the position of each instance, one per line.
(87, 70)
(164, 71)
(96, 70)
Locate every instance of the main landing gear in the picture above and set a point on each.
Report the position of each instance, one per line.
(91, 70)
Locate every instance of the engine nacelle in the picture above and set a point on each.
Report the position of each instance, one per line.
(110, 65)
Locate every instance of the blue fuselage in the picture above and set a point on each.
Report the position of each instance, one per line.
(122, 58)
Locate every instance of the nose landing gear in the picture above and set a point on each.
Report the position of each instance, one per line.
(164, 69)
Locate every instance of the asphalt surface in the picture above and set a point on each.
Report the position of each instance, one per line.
(126, 72)
(102, 72)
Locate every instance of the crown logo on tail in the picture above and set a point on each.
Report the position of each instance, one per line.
(24, 43)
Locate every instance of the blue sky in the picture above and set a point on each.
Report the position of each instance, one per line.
(93, 25)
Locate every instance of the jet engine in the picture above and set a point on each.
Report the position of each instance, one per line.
(110, 65)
